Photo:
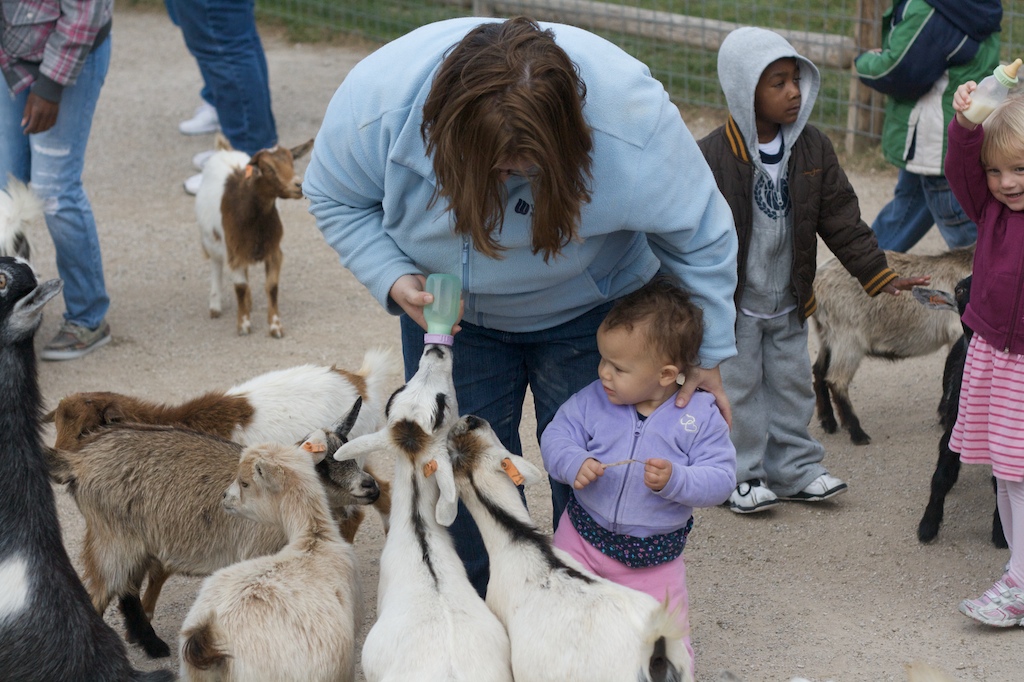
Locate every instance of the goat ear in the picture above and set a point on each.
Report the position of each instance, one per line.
(530, 473)
(50, 416)
(316, 446)
(936, 299)
(448, 501)
(302, 149)
(268, 474)
(344, 427)
(113, 414)
(361, 447)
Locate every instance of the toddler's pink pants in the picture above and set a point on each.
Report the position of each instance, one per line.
(667, 578)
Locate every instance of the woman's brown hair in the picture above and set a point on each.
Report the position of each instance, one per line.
(506, 92)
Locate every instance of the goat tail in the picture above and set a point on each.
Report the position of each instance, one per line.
(199, 648)
(379, 366)
(669, 661)
(58, 466)
(25, 207)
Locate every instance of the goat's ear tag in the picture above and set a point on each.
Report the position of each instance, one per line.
(429, 468)
(310, 446)
(512, 472)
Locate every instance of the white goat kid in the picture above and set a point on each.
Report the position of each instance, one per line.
(431, 624)
(563, 622)
(286, 617)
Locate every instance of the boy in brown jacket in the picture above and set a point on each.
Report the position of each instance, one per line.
(784, 184)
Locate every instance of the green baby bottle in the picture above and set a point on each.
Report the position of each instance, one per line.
(443, 313)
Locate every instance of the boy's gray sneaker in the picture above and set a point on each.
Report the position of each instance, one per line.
(74, 341)
(751, 496)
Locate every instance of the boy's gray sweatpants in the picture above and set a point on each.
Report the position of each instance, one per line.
(769, 387)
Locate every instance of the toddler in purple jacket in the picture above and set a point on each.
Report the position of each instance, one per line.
(638, 464)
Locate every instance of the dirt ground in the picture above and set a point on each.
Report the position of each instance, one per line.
(837, 590)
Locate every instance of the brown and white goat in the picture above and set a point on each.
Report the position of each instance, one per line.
(292, 615)
(236, 207)
(851, 326)
(150, 496)
(282, 406)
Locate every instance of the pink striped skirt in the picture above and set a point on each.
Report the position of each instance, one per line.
(990, 425)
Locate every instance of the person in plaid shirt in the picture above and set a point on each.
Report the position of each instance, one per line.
(54, 56)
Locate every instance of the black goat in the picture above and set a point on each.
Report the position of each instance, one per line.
(49, 630)
(947, 468)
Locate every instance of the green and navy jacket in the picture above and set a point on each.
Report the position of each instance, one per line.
(928, 50)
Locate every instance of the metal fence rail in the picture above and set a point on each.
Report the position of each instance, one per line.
(678, 39)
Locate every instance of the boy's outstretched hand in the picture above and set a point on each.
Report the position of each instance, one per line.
(905, 284)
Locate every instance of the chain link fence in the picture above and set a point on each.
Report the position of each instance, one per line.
(678, 39)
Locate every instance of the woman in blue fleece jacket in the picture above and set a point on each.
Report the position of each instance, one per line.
(548, 170)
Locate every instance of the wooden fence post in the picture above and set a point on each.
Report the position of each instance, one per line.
(865, 112)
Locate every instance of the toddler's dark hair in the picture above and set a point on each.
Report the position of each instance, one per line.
(673, 324)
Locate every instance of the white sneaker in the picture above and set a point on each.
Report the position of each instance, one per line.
(203, 121)
(751, 496)
(200, 159)
(821, 488)
(192, 184)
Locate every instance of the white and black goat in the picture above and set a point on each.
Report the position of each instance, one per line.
(563, 622)
(285, 617)
(236, 207)
(19, 206)
(431, 624)
(151, 498)
(947, 468)
(48, 628)
(851, 326)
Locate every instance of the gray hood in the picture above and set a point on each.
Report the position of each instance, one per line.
(743, 57)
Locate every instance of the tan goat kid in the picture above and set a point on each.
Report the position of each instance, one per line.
(236, 207)
(285, 617)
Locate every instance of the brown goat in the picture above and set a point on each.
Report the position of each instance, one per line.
(236, 207)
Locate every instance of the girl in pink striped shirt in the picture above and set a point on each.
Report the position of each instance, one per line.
(985, 169)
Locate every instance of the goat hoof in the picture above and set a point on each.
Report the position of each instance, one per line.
(829, 425)
(860, 438)
(276, 332)
(927, 531)
(214, 314)
(155, 647)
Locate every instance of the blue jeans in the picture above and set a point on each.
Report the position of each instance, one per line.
(53, 161)
(492, 370)
(921, 201)
(221, 35)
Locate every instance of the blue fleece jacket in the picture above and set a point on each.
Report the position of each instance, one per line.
(655, 203)
(695, 439)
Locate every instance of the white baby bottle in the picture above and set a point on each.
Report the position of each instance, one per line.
(991, 91)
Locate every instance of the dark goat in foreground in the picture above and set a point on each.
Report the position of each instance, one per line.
(49, 629)
(947, 468)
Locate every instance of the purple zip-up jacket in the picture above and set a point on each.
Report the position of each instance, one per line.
(44, 43)
(996, 308)
(695, 439)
